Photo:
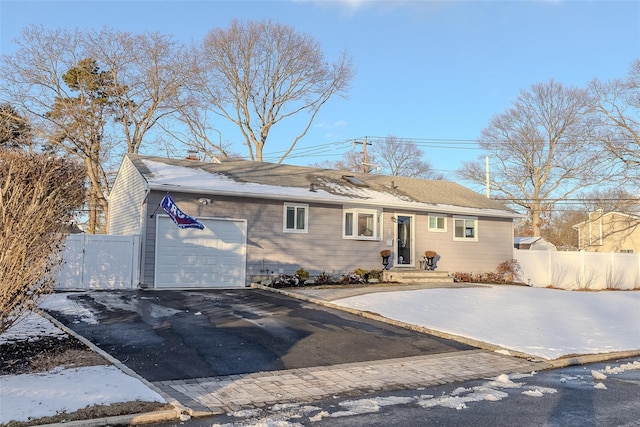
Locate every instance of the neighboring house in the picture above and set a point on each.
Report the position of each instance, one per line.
(533, 244)
(263, 218)
(609, 232)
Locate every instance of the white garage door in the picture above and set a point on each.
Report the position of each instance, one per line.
(211, 258)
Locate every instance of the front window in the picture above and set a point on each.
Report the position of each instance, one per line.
(363, 224)
(465, 228)
(437, 223)
(296, 218)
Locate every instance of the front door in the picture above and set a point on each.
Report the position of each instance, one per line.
(404, 241)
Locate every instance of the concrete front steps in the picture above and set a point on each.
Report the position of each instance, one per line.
(402, 275)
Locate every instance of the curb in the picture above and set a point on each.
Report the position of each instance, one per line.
(544, 363)
(583, 359)
(142, 418)
(132, 419)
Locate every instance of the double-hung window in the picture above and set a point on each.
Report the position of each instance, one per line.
(361, 224)
(465, 229)
(296, 218)
(437, 223)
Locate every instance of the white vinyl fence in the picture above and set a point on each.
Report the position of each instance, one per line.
(98, 261)
(579, 270)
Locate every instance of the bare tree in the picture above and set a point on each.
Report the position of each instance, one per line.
(560, 230)
(259, 73)
(151, 71)
(351, 161)
(391, 155)
(617, 104)
(538, 150)
(94, 94)
(402, 157)
(38, 194)
(196, 133)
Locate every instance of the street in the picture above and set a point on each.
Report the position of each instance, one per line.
(564, 397)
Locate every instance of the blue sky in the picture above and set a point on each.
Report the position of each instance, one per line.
(436, 71)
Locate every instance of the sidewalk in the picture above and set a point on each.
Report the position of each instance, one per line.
(218, 395)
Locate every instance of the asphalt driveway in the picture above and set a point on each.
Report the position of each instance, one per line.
(172, 335)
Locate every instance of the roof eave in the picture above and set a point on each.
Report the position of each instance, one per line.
(341, 200)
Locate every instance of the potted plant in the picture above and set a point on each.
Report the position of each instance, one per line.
(429, 256)
(385, 254)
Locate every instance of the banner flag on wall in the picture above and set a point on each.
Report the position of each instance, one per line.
(181, 219)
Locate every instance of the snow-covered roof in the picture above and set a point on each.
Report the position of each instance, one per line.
(245, 178)
(534, 243)
(526, 240)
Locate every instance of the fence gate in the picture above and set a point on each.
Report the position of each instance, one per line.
(99, 261)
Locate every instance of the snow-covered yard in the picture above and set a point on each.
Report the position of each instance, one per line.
(542, 322)
(32, 396)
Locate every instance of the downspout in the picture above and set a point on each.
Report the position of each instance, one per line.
(143, 232)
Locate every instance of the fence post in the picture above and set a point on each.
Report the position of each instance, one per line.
(582, 270)
(83, 265)
(549, 269)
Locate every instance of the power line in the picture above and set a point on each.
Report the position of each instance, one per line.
(440, 143)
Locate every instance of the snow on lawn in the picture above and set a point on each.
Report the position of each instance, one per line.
(30, 396)
(543, 322)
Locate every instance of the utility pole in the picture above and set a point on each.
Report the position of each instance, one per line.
(365, 164)
(487, 181)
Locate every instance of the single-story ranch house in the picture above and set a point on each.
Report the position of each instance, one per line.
(264, 218)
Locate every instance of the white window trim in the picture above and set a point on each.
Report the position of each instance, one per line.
(305, 230)
(475, 228)
(437, 230)
(377, 218)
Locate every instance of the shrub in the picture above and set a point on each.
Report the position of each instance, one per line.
(463, 277)
(360, 272)
(375, 274)
(38, 196)
(352, 279)
(508, 271)
(285, 281)
(324, 278)
(302, 274)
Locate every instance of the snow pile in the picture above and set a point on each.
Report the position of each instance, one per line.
(635, 365)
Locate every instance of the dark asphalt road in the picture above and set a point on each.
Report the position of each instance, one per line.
(170, 335)
(566, 397)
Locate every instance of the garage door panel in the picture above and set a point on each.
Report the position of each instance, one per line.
(209, 258)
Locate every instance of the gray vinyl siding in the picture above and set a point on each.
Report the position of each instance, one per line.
(268, 246)
(494, 245)
(270, 250)
(126, 201)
